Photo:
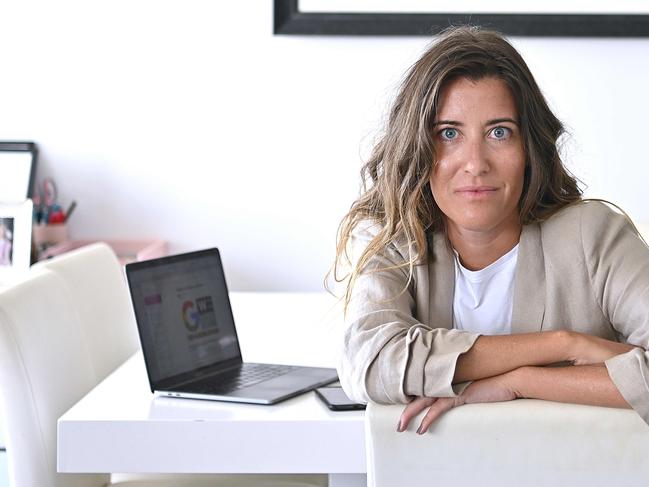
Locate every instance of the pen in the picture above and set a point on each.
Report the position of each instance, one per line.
(71, 208)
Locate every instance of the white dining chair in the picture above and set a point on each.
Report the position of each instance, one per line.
(93, 277)
(54, 349)
(524, 442)
(44, 369)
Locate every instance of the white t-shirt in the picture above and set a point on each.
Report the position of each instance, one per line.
(483, 300)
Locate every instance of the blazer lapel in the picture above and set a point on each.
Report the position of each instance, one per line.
(441, 276)
(529, 282)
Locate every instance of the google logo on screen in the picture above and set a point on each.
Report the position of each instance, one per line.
(190, 316)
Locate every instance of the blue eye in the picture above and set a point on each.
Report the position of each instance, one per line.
(448, 133)
(500, 132)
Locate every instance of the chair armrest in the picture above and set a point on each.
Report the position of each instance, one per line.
(522, 442)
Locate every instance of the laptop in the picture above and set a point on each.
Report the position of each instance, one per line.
(189, 339)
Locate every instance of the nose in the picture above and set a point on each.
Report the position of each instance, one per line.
(475, 157)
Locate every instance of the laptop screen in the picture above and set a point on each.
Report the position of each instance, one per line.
(183, 313)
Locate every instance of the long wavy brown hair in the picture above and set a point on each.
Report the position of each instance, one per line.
(395, 190)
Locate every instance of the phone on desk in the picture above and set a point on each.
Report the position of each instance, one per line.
(336, 399)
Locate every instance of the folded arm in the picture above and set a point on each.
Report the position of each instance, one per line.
(495, 355)
(582, 384)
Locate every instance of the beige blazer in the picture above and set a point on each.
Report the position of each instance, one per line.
(585, 269)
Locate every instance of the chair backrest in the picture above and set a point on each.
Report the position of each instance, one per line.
(523, 442)
(94, 279)
(45, 368)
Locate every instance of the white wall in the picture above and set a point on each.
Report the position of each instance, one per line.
(188, 121)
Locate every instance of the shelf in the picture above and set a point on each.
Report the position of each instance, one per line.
(126, 250)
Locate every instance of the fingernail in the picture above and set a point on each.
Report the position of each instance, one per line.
(399, 427)
(419, 431)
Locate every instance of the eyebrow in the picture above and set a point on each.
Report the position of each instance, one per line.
(489, 122)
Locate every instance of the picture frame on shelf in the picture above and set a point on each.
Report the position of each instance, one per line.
(15, 239)
(18, 168)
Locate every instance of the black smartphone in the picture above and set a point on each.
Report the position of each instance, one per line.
(336, 399)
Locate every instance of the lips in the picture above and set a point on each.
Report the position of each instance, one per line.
(476, 190)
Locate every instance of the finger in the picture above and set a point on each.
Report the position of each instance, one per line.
(415, 407)
(442, 405)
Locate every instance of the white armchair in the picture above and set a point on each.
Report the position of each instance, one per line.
(518, 443)
(64, 328)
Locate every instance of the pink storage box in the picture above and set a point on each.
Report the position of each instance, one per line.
(126, 250)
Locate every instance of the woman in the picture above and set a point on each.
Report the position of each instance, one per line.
(474, 261)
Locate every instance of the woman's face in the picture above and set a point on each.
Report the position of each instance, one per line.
(478, 179)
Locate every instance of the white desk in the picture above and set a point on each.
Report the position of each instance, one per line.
(121, 427)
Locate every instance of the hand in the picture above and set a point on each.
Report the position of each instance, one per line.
(590, 350)
(500, 388)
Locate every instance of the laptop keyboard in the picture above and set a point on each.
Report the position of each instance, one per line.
(246, 376)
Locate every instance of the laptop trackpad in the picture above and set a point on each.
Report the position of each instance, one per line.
(289, 384)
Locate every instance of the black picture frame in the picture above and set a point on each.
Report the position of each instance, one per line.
(21, 147)
(288, 20)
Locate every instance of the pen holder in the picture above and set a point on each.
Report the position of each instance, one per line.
(47, 235)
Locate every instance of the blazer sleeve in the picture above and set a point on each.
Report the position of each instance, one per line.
(618, 265)
(388, 356)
